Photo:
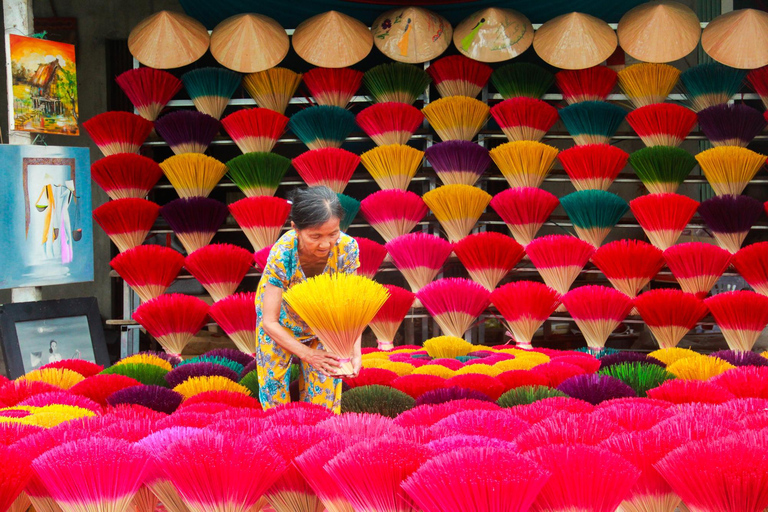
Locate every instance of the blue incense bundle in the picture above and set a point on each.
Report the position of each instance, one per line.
(593, 213)
(592, 122)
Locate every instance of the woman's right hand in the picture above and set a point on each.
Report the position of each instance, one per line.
(325, 362)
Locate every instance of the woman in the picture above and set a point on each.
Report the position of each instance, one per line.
(53, 350)
(315, 245)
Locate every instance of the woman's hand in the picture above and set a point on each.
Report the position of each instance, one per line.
(325, 362)
(357, 364)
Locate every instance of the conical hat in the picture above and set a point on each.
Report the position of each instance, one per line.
(575, 41)
(332, 40)
(493, 35)
(659, 31)
(168, 40)
(412, 34)
(248, 43)
(738, 39)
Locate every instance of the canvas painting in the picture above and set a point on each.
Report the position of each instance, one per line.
(46, 234)
(43, 86)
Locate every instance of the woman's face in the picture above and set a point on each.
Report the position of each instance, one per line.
(317, 241)
(54, 346)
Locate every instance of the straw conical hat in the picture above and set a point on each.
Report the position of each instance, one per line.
(168, 40)
(332, 40)
(493, 35)
(248, 43)
(738, 39)
(412, 34)
(575, 41)
(659, 31)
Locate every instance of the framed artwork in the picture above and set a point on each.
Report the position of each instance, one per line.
(46, 233)
(34, 334)
(42, 86)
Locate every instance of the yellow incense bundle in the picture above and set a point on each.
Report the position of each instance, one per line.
(729, 169)
(392, 166)
(273, 88)
(457, 208)
(457, 117)
(524, 163)
(193, 174)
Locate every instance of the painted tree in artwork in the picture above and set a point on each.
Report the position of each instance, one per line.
(68, 88)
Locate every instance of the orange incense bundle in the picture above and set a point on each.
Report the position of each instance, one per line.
(524, 118)
(663, 217)
(126, 221)
(457, 208)
(173, 319)
(662, 124)
(729, 169)
(195, 220)
(525, 305)
(328, 167)
(390, 123)
(419, 257)
(220, 268)
(118, 132)
(236, 315)
(697, 266)
(454, 303)
(333, 86)
(393, 212)
(524, 210)
(456, 117)
(387, 321)
(593, 166)
(741, 316)
(629, 264)
(148, 269)
(458, 75)
(559, 259)
(148, 89)
(193, 174)
(590, 84)
(752, 263)
(524, 163)
(372, 255)
(255, 130)
(126, 175)
(261, 218)
(488, 257)
(597, 311)
(669, 314)
(392, 166)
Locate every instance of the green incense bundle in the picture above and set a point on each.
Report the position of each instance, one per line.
(662, 168)
(711, 84)
(396, 82)
(527, 395)
(351, 207)
(211, 89)
(594, 213)
(376, 399)
(592, 122)
(147, 374)
(522, 79)
(639, 376)
(322, 126)
(258, 174)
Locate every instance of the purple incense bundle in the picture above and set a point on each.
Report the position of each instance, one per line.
(458, 162)
(194, 220)
(186, 371)
(730, 218)
(231, 354)
(627, 356)
(442, 395)
(157, 398)
(741, 358)
(187, 131)
(594, 388)
(731, 125)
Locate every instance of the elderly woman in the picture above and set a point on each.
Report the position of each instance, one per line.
(315, 245)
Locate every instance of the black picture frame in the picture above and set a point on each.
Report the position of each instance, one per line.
(45, 317)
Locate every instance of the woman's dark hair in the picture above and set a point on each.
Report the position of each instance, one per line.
(50, 345)
(314, 206)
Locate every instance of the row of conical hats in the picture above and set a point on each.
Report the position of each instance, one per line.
(657, 31)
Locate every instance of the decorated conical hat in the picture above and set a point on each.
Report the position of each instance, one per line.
(493, 35)
(738, 39)
(411, 34)
(332, 40)
(575, 41)
(168, 40)
(659, 31)
(248, 43)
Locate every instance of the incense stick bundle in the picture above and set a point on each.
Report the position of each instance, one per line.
(148, 89)
(220, 268)
(392, 212)
(524, 163)
(593, 166)
(662, 124)
(261, 218)
(322, 126)
(193, 174)
(594, 213)
(458, 75)
(670, 314)
(729, 169)
(597, 311)
(126, 221)
(255, 130)
(522, 79)
(456, 117)
(663, 217)
(126, 175)
(524, 210)
(396, 82)
(647, 83)
(258, 174)
(731, 124)
(697, 266)
(194, 220)
(273, 88)
(328, 167)
(524, 118)
(118, 132)
(590, 84)
(457, 208)
(559, 259)
(211, 89)
(187, 131)
(752, 263)
(237, 317)
(711, 84)
(730, 218)
(148, 269)
(419, 257)
(333, 86)
(458, 162)
(525, 306)
(592, 122)
(392, 166)
(662, 169)
(454, 303)
(390, 123)
(387, 321)
(629, 264)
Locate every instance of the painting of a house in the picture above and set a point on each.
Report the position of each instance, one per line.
(44, 86)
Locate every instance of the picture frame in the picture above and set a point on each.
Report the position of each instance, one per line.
(33, 334)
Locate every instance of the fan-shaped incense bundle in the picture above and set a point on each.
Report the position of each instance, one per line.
(211, 89)
(193, 174)
(118, 132)
(126, 221)
(172, 319)
(663, 217)
(328, 167)
(148, 269)
(662, 124)
(126, 175)
(729, 169)
(758, 79)
(647, 83)
(729, 124)
(597, 311)
(522, 79)
(258, 174)
(730, 218)
(741, 316)
(187, 131)
(419, 257)
(697, 266)
(661, 168)
(524, 163)
(456, 117)
(372, 255)
(458, 162)
(457, 208)
(524, 210)
(593, 166)
(752, 263)
(392, 166)
(598, 388)
(148, 89)
(255, 130)
(594, 213)
(390, 123)
(337, 308)
(629, 264)
(458, 75)
(392, 212)
(454, 303)
(273, 88)
(592, 122)
(711, 84)
(261, 218)
(396, 82)
(524, 118)
(195, 220)
(351, 206)
(669, 314)
(488, 257)
(590, 84)
(312, 463)
(333, 86)
(387, 321)
(525, 305)
(220, 268)
(322, 126)
(559, 259)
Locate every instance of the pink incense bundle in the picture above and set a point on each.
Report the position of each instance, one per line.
(372, 255)
(387, 321)
(629, 264)
(126, 175)
(389, 122)
(524, 210)
(752, 263)
(681, 391)
(597, 311)
(590, 84)
(559, 259)
(454, 303)
(255, 130)
(148, 269)
(329, 167)
(697, 266)
(457, 75)
(662, 124)
(118, 132)
(220, 268)
(488, 256)
(393, 213)
(172, 319)
(419, 257)
(669, 314)
(745, 382)
(148, 89)
(312, 463)
(524, 118)
(126, 221)
(361, 424)
(260, 258)
(663, 217)
(15, 474)
(332, 86)
(593, 166)
(741, 316)
(525, 305)
(261, 218)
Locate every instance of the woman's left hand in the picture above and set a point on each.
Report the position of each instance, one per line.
(357, 364)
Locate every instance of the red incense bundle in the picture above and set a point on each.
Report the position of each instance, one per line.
(524, 210)
(741, 316)
(173, 319)
(390, 123)
(730, 218)
(752, 263)
(15, 474)
(524, 118)
(372, 255)
(458, 75)
(597, 311)
(148, 89)
(126, 175)
(195, 220)
(329, 167)
(593, 166)
(697, 266)
(525, 305)
(236, 315)
(663, 217)
(126, 221)
(332, 86)
(393, 213)
(629, 264)
(187, 131)
(758, 79)
(559, 259)
(590, 84)
(454, 303)
(261, 218)
(662, 124)
(488, 256)
(255, 130)
(118, 132)
(387, 321)
(669, 314)
(419, 257)
(148, 269)
(312, 463)
(220, 268)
